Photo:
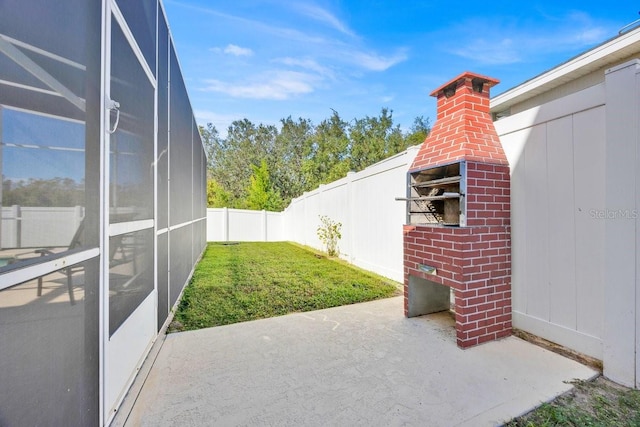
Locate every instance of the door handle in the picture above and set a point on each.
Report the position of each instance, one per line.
(113, 106)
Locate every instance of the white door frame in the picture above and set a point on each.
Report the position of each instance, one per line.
(122, 354)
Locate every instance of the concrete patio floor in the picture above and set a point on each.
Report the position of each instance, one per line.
(362, 364)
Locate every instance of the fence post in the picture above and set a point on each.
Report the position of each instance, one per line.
(225, 224)
(264, 225)
(316, 219)
(305, 220)
(349, 226)
(16, 212)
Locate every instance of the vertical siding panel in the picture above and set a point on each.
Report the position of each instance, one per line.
(561, 254)
(537, 208)
(559, 293)
(636, 220)
(589, 152)
(622, 136)
(513, 145)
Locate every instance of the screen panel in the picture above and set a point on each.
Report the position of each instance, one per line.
(162, 163)
(49, 130)
(163, 278)
(141, 19)
(180, 150)
(180, 262)
(195, 172)
(49, 356)
(46, 70)
(131, 145)
(130, 274)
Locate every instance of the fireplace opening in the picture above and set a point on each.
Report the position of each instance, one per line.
(436, 195)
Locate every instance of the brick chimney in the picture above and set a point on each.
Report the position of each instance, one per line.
(461, 166)
(463, 129)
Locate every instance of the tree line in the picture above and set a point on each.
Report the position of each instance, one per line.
(258, 166)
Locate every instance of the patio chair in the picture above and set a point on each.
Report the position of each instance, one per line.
(75, 242)
(118, 245)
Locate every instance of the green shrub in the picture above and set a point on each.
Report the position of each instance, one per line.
(329, 234)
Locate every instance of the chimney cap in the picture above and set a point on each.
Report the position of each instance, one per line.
(467, 75)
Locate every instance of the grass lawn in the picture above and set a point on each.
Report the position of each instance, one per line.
(248, 281)
(596, 403)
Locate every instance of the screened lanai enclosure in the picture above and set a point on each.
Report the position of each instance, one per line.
(102, 202)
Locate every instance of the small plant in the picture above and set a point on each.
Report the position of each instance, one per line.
(329, 234)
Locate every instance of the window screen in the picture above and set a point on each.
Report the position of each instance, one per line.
(131, 146)
(49, 353)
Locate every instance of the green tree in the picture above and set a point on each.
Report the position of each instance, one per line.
(217, 196)
(329, 155)
(293, 147)
(299, 156)
(374, 139)
(260, 193)
(212, 145)
(246, 145)
(59, 192)
(418, 131)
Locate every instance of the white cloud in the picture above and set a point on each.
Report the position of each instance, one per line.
(220, 121)
(500, 42)
(235, 50)
(256, 26)
(307, 64)
(324, 16)
(276, 85)
(314, 45)
(232, 49)
(591, 35)
(490, 51)
(375, 62)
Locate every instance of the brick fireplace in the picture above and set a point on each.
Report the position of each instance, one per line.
(457, 236)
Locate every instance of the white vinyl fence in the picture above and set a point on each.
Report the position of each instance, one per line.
(239, 225)
(29, 227)
(363, 202)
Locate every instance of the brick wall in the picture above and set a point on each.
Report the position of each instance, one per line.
(488, 194)
(463, 129)
(476, 263)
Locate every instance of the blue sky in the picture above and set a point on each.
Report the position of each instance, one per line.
(268, 59)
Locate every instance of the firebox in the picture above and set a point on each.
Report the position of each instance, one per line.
(436, 195)
(458, 237)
